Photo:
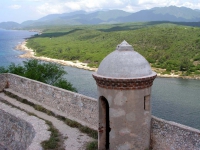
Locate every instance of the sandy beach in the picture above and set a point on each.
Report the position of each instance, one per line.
(29, 53)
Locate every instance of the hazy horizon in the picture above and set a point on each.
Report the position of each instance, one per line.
(23, 10)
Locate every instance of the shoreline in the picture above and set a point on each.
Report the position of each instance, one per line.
(29, 53)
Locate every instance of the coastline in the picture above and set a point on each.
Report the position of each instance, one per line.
(29, 53)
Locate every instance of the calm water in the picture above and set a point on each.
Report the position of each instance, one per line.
(172, 99)
(8, 40)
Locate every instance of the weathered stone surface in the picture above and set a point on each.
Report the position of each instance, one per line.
(3, 81)
(81, 108)
(19, 131)
(129, 122)
(167, 135)
(124, 62)
(14, 132)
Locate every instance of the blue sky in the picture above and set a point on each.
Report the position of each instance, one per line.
(23, 10)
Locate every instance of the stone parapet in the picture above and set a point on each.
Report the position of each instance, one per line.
(167, 135)
(75, 106)
(3, 81)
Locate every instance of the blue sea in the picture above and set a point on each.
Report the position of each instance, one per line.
(172, 99)
(8, 41)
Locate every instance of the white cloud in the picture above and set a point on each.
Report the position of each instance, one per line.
(15, 6)
(194, 4)
(191, 5)
(73, 5)
(38, 8)
(156, 2)
(130, 8)
(118, 2)
(50, 9)
(61, 6)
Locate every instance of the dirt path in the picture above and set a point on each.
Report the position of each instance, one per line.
(75, 140)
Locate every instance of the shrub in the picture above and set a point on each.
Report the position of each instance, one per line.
(50, 73)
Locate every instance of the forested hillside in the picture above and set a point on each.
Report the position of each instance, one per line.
(173, 47)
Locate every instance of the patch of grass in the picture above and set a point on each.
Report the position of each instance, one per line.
(92, 145)
(72, 123)
(54, 141)
(84, 129)
(89, 132)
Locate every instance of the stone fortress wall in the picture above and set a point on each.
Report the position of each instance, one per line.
(168, 135)
(72, 105)
(14, 132)
(20, 131)
(165, 135)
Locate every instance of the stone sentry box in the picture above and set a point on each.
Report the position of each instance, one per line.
(124, 79)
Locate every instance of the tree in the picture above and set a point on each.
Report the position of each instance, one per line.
(184, 64)
(50, 73)
(64, 85)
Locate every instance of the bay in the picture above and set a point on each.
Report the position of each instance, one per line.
(173, 99)
(8, 41)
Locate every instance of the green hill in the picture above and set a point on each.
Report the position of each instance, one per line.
(169, 46)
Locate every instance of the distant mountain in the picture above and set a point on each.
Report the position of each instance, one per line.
(184, 13)
(171, 13)
(10, 25)
(55, 16)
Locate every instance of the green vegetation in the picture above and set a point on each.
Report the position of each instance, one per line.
(92, 145)
(49, 73)
(54, 141)
(173, 47)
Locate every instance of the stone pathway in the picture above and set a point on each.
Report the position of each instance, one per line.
(75, 140)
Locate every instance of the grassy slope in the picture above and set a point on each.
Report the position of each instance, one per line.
(165, 45)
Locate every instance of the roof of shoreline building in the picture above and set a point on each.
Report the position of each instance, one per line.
(124, 62)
